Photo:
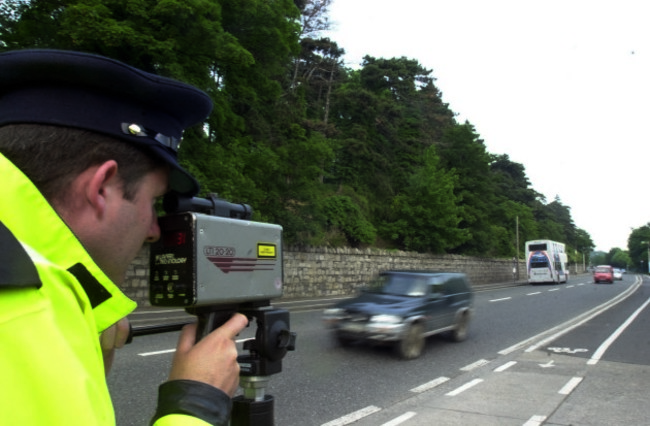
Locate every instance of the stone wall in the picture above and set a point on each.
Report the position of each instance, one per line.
(323, 272)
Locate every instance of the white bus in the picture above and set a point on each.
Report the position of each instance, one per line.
(546, 262)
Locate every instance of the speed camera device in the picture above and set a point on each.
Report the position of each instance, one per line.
(211, 254)
(213, 260)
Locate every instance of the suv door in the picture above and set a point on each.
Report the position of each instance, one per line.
(459, 293)
(438, 309)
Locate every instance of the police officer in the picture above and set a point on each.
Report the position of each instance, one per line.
(87, 144)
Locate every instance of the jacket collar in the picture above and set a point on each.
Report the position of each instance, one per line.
(39, 227)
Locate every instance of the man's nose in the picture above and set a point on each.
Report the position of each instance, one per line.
(154, 230)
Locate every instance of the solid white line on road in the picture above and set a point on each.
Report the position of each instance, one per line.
(464, 387)
(329, 299)
(533, 294)
(430, 385)
(499, 300)
(571, 384)
(505, 366)
(572, 323)
(166, 351)
(535, 421)
(479, 363)
(164, 311)
(607, 343)
(353, 417)
(589, 315)
(401, 419)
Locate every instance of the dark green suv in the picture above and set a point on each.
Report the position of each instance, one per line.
(403, 308)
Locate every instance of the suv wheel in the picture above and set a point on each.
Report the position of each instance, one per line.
(459, 333)
(411, 346)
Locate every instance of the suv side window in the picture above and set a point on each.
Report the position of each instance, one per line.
(437, 288)
(437, 285)
(457, 285)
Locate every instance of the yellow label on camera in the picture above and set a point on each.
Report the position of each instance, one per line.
(266, 250)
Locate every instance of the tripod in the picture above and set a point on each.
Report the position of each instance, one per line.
(273, 339)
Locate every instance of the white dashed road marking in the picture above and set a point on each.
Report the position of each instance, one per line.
(463, 388)
(401, 419)
(535, 421)
(430, 385)
(571, 384)
(505, 366)
(353, 417)
(477, 364)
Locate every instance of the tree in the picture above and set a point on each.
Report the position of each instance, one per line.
(345, 218)
(426, 216)
(378, 113)
(638, 243)
(598, 258)
(618, 258)
(583, 246)
(511, 180)
(334, 155)
(317, 72)
(462, 150)
(313, 21)
(514, 204)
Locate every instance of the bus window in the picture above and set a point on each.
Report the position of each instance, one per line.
(538, 261)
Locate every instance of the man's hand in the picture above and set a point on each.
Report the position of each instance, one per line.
(213, 360)
(114, 337)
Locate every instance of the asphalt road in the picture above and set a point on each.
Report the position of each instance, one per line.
(322, 383)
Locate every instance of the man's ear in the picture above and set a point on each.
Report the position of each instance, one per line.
(102, 185)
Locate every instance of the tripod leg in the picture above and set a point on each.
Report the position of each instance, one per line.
(249, 412)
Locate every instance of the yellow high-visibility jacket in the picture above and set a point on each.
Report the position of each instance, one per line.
(54, 303)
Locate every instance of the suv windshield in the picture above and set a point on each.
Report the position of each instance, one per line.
(400, 285)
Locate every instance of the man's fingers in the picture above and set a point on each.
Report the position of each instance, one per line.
(234, 325)
(230, 329)
(116, 335)
(187, 337)
(123, 329)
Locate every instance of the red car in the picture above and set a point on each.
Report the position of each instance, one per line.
(604, 273)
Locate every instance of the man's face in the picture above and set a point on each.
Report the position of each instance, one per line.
(132, 223)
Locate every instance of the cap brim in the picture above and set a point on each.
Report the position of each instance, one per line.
(180, 180)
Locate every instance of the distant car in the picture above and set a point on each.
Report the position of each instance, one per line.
(402, 308)
(618, 274)
(604, 273)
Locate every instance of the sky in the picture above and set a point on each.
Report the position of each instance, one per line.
(561, 87)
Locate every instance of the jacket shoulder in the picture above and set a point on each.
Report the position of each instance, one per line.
(16, 267)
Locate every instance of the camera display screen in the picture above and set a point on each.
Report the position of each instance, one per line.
(174, 239)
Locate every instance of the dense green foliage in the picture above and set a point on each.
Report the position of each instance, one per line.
(357, 157)
(638, 245)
